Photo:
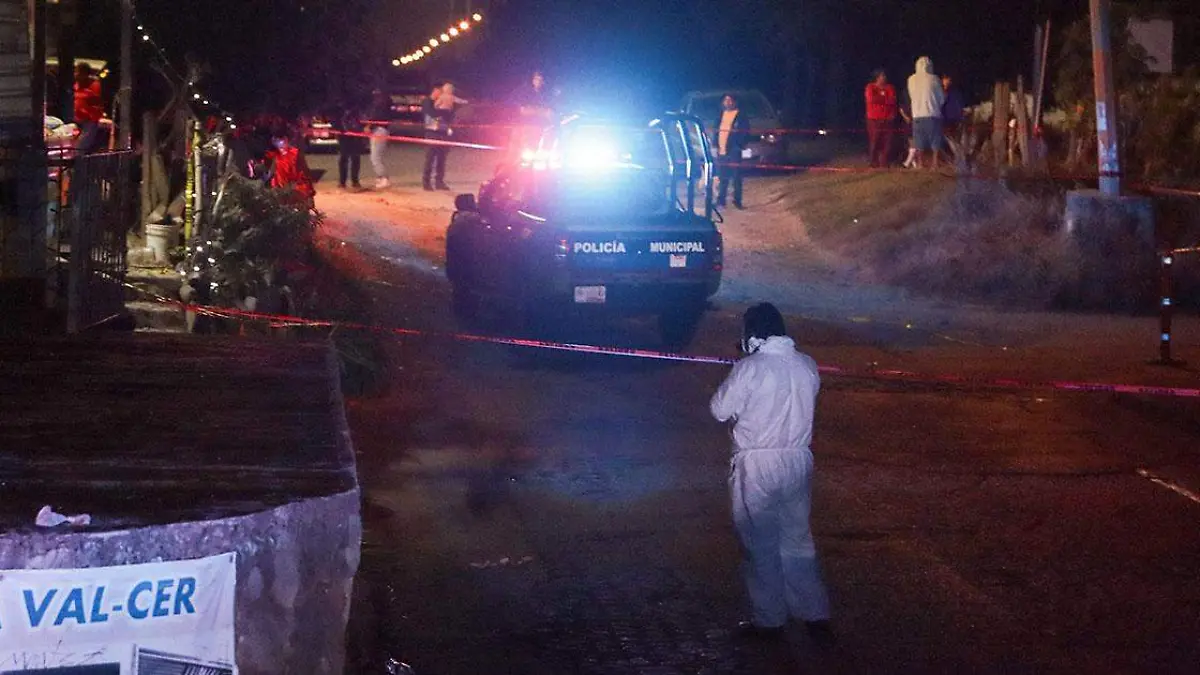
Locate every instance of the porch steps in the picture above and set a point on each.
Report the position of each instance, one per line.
(141, 301)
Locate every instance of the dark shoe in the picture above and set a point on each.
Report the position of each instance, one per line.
(358, 186)
(442, 186)
(821, 632)
(427, 187)
(738, 206)
(750, 631)
(719, 202)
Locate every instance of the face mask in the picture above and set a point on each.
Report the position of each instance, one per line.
(751, 345)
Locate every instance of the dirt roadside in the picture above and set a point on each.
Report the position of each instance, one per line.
(770, 256)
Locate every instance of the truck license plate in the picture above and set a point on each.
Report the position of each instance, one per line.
(591, 295)
(678, 260)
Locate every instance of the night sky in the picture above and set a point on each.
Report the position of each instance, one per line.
(296, 54)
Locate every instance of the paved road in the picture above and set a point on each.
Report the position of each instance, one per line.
(549, 513)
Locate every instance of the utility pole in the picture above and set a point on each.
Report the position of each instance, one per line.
(125, 94)
(1106, 108)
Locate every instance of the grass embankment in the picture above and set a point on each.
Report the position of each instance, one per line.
(961, 239)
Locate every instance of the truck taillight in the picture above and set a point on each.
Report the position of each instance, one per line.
(562, 250)
(718, 257)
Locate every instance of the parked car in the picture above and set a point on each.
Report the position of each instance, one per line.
(407, 89)
(766, 146)
(318, 133)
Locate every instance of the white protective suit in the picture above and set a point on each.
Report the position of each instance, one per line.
(770, 396)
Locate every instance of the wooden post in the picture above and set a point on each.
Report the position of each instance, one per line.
(1000, 105)
(1040, 83)
(1023, 123)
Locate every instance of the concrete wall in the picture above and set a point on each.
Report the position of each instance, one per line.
(296, 567)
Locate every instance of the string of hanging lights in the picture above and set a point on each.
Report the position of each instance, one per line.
(458, 30)
(197, 96)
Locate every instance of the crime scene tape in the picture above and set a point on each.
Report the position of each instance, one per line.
(811, 168)
(423, 141)
(868, 374)
(782, 131)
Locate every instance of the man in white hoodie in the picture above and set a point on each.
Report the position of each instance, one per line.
(770, 397)
(926, 96)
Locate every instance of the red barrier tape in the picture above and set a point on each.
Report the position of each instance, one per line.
(422, 141)
(873, 374)
(809, 168)
(784, 131)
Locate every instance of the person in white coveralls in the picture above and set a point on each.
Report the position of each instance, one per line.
(769, 398)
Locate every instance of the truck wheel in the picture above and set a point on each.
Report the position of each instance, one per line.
(677, 327)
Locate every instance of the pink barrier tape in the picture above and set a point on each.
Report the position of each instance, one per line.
(423, 141)
(871, 374)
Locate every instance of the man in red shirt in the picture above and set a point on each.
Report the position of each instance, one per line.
(89, 109)
(881, 115)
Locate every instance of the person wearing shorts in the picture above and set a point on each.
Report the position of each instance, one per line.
(926, 97)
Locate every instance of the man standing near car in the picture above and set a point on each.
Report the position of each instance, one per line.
(377, 126)
(732, 134)
(439, 109)
(535, 111)
(350, 146)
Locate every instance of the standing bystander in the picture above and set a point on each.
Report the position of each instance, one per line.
(732, 132)
(89, 110)
(953, 111)
(926, 97)
(439, 111)
(535, 111)
(350, 146)
(881, 118)
(379, 113)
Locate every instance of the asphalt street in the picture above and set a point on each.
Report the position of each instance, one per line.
(538, 512)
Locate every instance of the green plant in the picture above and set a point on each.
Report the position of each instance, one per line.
(253, 233)
(1158, 115)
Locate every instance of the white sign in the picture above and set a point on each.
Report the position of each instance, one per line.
(120, 620)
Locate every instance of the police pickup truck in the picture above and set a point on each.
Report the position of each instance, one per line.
(598, 216)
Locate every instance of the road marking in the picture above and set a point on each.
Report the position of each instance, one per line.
(1178, 489)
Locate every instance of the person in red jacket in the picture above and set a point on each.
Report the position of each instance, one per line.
(89, 109)
(289, 170)
(881, 116)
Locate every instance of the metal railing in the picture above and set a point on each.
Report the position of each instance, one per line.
(88, 224)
